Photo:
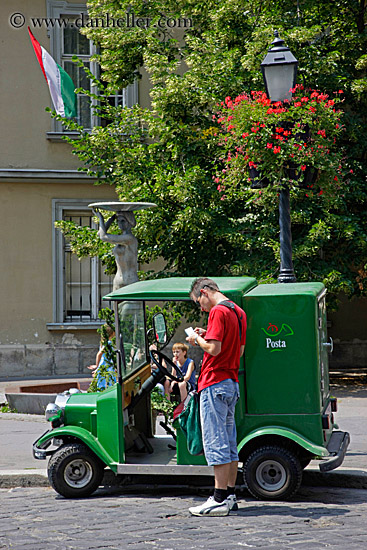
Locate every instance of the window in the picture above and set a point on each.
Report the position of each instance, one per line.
(132, 335)
(79, 285)
(66, 41)
(75, 43)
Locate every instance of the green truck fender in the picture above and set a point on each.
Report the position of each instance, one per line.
(84, 436)
(316, 450)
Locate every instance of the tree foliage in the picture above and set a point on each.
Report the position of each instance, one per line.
(173, 318)
(170, 155)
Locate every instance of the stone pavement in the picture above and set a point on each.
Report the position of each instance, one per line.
(19, 431)
(36, 518)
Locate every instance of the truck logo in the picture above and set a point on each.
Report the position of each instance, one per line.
(272, 341)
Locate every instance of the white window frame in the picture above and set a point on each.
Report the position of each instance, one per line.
(57, 9)
(58, 208)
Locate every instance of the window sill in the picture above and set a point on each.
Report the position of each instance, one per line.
(74, 326)
(58, 136)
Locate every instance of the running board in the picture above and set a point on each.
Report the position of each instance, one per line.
(163, 469)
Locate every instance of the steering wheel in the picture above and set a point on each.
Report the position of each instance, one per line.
(158, 358)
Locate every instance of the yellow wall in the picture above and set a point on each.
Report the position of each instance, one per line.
(26, 292)
(24, 95)
(27, 346)
(24, 92)
(26, 204)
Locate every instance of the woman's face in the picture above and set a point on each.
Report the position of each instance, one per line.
(122, 221)
(179, 355)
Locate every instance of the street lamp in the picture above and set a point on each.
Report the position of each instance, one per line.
(279, 69)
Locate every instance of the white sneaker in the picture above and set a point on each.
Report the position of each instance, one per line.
(211, 508)
(232, 503)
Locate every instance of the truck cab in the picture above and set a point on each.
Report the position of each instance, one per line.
(284, 417)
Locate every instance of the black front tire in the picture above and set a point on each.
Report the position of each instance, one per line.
(74, 471)
(272, 473)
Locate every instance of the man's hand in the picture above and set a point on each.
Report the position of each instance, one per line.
(213, 347)
(192, 339)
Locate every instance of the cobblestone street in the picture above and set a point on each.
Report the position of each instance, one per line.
(317, 518)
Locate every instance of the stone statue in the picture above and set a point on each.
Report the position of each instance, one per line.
(126, 246)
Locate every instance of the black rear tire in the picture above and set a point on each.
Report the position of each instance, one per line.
(74, 471)
(272, 473)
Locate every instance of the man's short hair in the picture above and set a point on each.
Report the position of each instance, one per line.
(202, 282)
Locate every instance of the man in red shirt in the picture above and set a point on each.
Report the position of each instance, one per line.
(223, 343)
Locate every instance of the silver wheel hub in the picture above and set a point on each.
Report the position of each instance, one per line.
(78, 473)
(271, 475)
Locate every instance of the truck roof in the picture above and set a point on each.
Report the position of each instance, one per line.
(280, 289)
(178, 288)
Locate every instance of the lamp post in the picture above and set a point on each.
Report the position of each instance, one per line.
(279, 69)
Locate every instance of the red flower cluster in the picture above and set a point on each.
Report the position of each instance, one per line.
(280, 134)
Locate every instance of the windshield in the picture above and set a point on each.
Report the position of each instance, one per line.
(132, 334)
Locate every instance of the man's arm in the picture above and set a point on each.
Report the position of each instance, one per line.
(242, 349)
(213, 347)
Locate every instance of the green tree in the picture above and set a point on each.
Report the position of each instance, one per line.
(170, 155)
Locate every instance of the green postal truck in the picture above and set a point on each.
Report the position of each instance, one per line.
(284, 418)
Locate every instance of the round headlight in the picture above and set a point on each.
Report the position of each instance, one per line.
(73, 391)
(51, 410)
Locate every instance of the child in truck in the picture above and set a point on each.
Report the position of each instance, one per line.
(187, 367)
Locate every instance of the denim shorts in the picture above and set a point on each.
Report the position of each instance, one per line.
(217, 405)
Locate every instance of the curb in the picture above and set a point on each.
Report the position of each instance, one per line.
(345, 478)
(23, 478)
(348, 478)
(23, 416)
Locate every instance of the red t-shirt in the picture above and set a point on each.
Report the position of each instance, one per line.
(223, 326)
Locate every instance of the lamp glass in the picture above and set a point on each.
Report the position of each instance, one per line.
(279, 81)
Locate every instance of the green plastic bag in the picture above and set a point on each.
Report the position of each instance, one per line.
(189, 421)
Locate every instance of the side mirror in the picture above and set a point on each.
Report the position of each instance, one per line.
(160, 328)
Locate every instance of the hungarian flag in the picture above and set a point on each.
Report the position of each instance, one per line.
(59, 82)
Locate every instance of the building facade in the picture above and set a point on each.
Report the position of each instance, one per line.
(49, 299)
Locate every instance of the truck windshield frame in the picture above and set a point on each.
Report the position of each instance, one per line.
(131, 339)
